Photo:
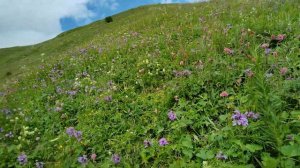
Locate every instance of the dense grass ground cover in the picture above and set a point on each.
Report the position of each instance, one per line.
(193, 85)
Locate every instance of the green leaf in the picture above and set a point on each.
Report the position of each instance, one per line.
(290, 150)
(253, 147)
(269, 162)
(204, 154)
(187, 142)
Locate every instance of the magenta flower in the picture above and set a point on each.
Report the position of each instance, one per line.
(172, 115)
(280, 37)
(163, 142)
(116, 158)
(239, 119)
(224, 94)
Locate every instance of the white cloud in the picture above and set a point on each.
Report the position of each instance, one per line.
(166, 1)
(25, 22)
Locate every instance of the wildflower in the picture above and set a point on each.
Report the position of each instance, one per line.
(267, 51)
(269, 75)
(228, 51)
(280, 37)
(72, 92)
(252, 115)
(224, 94)
(172, 115)
(82, 159)
(163, 142)
(116, 158)
(78, 135)
(1, 129)
(39, 164)
(100, 50)
(70, 131)
(249, 73)
(182, 73)
(264, 45)
(221, 156)
(22, 159)
(9, 134)
(93, 156)
(239, 119)
(108, 98)
(147, 143)
(290, 137)
(283, 71)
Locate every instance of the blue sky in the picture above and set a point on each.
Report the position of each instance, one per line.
(26, 22)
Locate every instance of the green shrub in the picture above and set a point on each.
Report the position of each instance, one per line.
(108, 19)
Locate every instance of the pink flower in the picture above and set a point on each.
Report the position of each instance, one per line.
(228, 51)
(265, 45)
(283, 71)
(93, 156)
(224, 94)
(280, 37)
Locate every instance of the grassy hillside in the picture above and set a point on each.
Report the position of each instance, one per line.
(209, 85)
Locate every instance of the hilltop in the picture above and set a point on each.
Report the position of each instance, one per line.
(212, 84)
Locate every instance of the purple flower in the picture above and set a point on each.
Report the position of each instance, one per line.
(163, 142)
(147, 143)
(78, 135)
(39, 164)
(72, 92)
(172, 115)
(1, 129)
(22, 159)
(239, 119)
(221, 156)
(71, 131)
(252, 115)
(82, 159)
(116, 158)
(267, 51)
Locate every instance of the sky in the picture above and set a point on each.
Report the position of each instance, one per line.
(26, 22)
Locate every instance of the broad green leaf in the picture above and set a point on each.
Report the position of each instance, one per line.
(290, 150)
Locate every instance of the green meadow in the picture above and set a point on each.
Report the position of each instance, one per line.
(213, 84)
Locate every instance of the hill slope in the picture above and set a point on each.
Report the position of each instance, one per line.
(211, 84)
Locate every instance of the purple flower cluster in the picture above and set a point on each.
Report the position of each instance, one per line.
(252, 115)
(239, 118)
(72, 132)
(82, 159)
(242, 119)
(172, 115)
(116, 158)
(163, 142)
(22, 159)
